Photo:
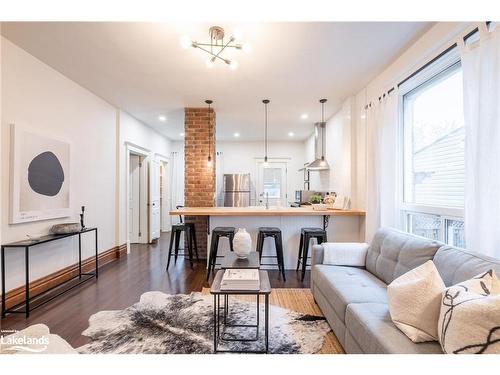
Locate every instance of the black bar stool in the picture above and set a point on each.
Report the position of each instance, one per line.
(189, 240)
(217, 233)
(275, 233)
(306, 234)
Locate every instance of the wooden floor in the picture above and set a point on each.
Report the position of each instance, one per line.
(120, 285)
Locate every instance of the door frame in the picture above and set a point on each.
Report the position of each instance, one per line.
(131, 148)
(166, 198)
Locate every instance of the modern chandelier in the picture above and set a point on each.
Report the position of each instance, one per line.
(217, 46)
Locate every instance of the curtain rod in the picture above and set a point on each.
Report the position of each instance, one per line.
(454, 45)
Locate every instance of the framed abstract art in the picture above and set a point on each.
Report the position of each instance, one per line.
(39, 177)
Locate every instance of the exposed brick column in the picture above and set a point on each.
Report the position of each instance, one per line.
(199, 178)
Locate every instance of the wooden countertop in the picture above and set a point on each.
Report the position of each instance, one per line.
(262, 211)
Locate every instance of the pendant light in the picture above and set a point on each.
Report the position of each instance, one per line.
(209, 159)
(266, 102)
(323, 125)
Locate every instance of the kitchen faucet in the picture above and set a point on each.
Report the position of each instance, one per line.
(267, 199)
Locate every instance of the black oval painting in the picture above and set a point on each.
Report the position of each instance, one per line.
(45, 174)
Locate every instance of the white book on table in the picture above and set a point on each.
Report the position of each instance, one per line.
(240, 279)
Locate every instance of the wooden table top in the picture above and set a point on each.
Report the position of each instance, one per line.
(262, 211)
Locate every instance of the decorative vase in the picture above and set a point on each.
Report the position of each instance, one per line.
(242, 243)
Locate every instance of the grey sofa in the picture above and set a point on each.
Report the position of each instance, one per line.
(354, 299)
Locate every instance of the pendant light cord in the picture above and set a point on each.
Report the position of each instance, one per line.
(266, 130)
(266, 102)
(209, 102)
(323, 128)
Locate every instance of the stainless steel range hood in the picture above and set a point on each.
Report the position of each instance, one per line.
(319, 164)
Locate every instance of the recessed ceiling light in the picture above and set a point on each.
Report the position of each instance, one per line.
(181, 134)
(236, 135)
(162, 118)
(304, 116)
(291, 134)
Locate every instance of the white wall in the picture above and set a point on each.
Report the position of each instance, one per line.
(338, 153)
(241, 157)
(39, 98)
(132, 131)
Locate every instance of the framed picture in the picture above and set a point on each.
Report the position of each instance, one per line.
(39, 177)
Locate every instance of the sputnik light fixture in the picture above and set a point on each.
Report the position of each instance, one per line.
(266, 102)
(209, 159)
(217, 46)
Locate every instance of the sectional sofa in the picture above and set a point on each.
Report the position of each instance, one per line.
(354, 299)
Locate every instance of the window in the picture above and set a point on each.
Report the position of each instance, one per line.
(434, 160)
(272, 182)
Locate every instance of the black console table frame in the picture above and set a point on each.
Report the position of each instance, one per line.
(30, 303)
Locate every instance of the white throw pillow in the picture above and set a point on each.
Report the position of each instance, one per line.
(415, 301)
(469, 321)
(345, 253)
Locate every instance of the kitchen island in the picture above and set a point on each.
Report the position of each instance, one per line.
(341, 225)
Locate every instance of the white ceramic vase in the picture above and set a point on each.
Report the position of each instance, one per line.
(242, 243)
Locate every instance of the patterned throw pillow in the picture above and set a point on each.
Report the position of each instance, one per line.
(469, 321)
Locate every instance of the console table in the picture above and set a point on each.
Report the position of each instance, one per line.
(31, 303)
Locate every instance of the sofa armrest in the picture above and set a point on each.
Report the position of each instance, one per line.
(351, 254)
(317, 255)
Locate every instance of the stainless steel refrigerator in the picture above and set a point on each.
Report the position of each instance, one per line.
(236, 190)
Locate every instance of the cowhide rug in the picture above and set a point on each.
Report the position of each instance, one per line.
(160, 323)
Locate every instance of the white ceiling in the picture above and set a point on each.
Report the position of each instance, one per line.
(141, 68)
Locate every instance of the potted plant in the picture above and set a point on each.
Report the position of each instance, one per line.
(316, 202)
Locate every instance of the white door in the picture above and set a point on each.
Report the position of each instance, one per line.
(134, 199)
(154, 199)
(271, 184)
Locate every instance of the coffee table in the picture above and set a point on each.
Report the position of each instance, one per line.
(215, 290)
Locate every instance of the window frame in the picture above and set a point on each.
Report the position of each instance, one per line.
(445, 63)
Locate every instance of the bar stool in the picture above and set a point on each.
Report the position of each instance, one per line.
(189, 240)
(306, 234)
(275, 233)
(217, 233)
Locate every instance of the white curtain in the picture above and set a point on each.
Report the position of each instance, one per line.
(382, 164)
(481, 75)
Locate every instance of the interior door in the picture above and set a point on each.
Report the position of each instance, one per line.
(272, 181)
(154, 200)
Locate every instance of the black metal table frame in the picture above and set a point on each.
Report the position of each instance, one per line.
(217, 322)
(27, 309)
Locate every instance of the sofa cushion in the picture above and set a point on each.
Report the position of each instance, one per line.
(456, 265)
(415, 301)
(393, 253)
(371, 327)
(469, 322)
(344, 285)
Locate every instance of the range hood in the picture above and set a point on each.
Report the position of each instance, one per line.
(319, 164)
